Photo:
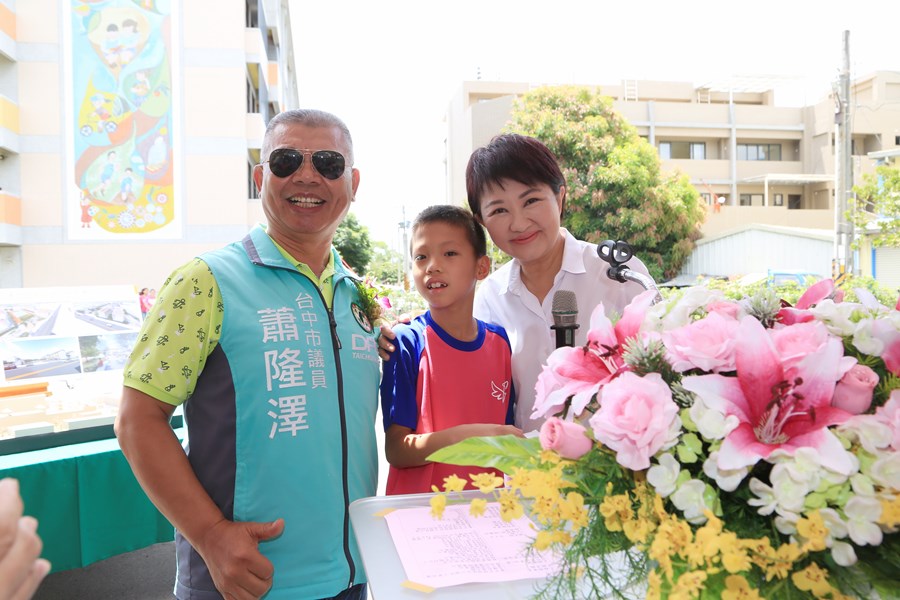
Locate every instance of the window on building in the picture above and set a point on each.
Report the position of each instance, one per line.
(251, 13)
(778, 200)
(252, 192)
(706, 199)
(682, 150)
(897, 140)
(751, 199)
(759, 151)
(793, 201)
(252, 95)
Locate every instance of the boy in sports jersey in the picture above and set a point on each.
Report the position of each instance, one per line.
(450, 376)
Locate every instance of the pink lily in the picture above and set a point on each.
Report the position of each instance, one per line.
(821, 290)
(579, 373)
(777, 407)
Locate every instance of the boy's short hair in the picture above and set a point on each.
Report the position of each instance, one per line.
(510, 156)
(455, 215)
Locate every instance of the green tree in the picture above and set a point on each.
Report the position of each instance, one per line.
(614, 186)
(354, 244)
(386, 263)
(877, 205)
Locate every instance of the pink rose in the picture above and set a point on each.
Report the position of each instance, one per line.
(724, 308)
(797, 341)
(707, 344)
(853, 393)
(637, 418)
(569, 440)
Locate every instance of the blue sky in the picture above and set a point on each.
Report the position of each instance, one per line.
(390, 68)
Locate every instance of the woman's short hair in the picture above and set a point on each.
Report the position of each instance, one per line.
(510, 156)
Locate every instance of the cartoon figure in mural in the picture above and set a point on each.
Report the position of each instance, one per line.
(111, 46)
(106, 175)
(157, 155)
(86, 216)
(126, 185)
(129, 39)
(140, 88)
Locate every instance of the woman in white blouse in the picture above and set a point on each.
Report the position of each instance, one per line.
(517, 191)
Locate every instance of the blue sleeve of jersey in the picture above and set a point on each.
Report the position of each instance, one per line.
(399, 378)
(511, 410)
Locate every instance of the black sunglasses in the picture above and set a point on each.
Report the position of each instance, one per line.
(285, 161)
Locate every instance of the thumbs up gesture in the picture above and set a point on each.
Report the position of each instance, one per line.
(231, 551)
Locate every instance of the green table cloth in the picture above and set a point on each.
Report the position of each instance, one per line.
(87, 501)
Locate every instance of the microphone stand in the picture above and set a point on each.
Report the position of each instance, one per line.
(617, 253)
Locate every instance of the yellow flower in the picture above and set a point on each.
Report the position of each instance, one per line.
(760, 551)
(813, 529)
(550, 457)
(454, 484)
(735, 559)
(812, 579)
(782, 561)
(438, 504)
(638, 530)
(572, 510)
(689, 585)
(510, 507)
(616, 510)
(477, 507)
(737, 588)
(890, 512)
(486, 482)
(654, 586)
(543, 540)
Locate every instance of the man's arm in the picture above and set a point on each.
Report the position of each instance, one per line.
(229, 549)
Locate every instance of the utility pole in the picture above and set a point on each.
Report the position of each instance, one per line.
(404, 250)
(843, 163)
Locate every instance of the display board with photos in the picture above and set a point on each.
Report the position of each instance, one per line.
(63, 351)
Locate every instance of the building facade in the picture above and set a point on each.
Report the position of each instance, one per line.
(128, 129)
(755, 163)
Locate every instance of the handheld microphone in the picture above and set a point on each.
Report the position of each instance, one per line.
(565, 317)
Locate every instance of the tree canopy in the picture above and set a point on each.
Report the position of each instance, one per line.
(353, 243)
(614, 186)
(877, 205)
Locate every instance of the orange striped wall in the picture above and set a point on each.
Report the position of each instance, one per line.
(7, 21)
(10, 209)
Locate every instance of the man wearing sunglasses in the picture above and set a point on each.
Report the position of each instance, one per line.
(266, 346)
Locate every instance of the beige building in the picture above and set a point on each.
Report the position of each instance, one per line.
(128, 130)
(772, 168)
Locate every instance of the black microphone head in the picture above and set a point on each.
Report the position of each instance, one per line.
(565, 308)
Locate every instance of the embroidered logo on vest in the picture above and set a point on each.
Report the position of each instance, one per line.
(360, 315)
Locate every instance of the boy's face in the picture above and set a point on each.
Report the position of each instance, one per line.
(445, 267)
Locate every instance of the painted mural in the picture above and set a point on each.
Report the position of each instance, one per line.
(121, 76)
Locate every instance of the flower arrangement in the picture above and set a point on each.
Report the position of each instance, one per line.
(705, 447)
(375, 301)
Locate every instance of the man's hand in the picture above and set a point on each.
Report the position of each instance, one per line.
(387, 337)
(231, 551)
(21, 571)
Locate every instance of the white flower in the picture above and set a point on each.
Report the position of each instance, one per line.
(862, 485)
(663, 476)
(836, 316)
(688, 498)
(843, 554)
(789, 493)
(803, 465)
(864, 341)
(837, 529)
(885, 471)
(679, 314)
(727, 479)
(862, 514)
(765, 497)
(711, 424)
(787, 523)
(869, 431)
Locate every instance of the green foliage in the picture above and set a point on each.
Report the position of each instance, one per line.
(503, 452)
(615, 188)
(876, 207)
(386, 264)
(353, 243)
